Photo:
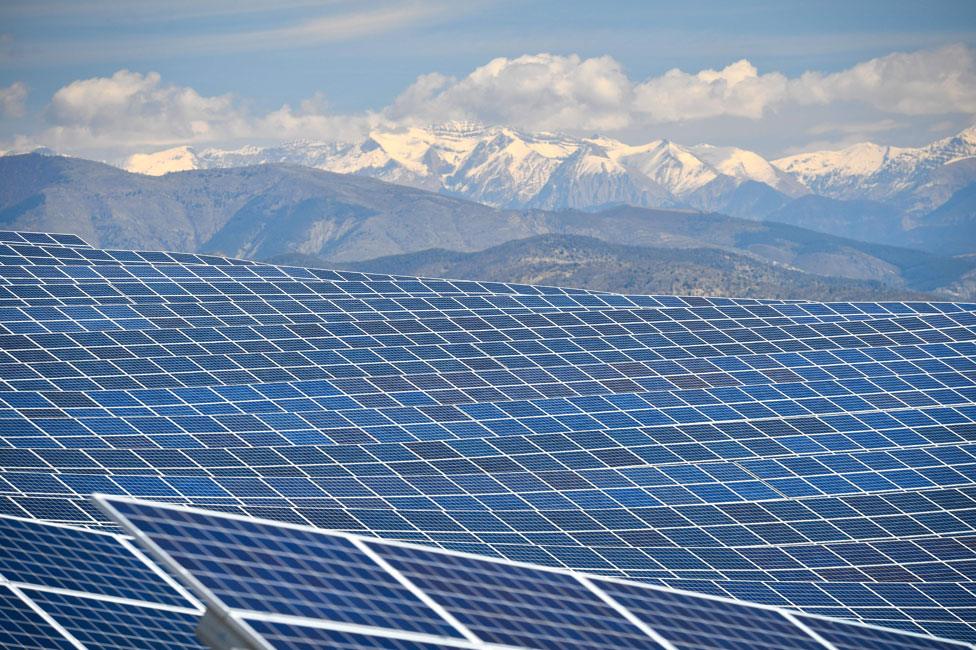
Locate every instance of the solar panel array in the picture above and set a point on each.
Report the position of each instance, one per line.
(799, 454)
(230, 560)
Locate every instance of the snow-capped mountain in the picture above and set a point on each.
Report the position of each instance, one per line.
(916, 179)
(506, 167)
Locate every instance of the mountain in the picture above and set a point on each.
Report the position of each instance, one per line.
(573, 260)
(912, 178)
(246, 212)
(506, 167)
(263, 211)
(855, 218)
(869, 191)
(952, 226)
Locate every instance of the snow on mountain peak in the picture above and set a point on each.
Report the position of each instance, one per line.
(507, 167)
(858, 160)
(177, 159)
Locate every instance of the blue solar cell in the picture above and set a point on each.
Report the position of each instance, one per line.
(846, 636)
(109, 624)
(259, 567)
(22, 627)
(516, 605)
(688, 621)
(70, 558)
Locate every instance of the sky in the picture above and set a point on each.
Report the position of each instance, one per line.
(105, 79)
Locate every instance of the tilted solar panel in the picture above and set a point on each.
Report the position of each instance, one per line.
(793, 453)
(480, 600)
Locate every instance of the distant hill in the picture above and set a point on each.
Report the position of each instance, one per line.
(952, 226)
(585, 262)
(264, 211)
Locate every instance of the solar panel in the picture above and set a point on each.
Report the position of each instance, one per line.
(44, 555)
(109, 624)
(257, 567)
(487, 600)
(844, 636)
(94, 588)
(795, 453)
(691, 622)
(22, 627)
(516, 605)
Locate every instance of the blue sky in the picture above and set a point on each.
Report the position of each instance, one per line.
(357, 58)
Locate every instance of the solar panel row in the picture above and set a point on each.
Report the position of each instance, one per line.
(797, 454)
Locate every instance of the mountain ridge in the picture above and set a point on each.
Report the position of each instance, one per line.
(590, 263)
(507, 167)
(266, 210)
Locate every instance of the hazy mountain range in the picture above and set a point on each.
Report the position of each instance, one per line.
(578, 261)
(266, 211)
(873, 192)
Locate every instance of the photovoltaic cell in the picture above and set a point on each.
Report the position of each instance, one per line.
(707, 624)
(260, 567)
(516, 605)
(69, 558)
(116, 625)
(844, 636)
(22, 627)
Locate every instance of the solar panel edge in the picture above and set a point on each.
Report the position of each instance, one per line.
(589, 581)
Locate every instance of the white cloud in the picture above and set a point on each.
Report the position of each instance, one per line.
(132, 105)
(543, 91)
(927, 82)
(567, 92)
(130, 111)
(737, 90)
(12, 99)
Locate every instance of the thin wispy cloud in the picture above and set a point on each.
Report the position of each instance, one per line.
(330, 28)
(340, 21)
